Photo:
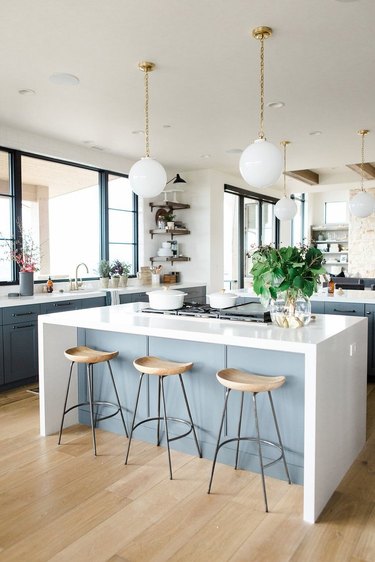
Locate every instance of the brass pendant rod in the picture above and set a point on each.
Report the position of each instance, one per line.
(146, 67)
(262, 33)
(284, 143)
(363, 133)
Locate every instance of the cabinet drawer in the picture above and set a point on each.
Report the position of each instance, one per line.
(345, 309)
(93, 302)
(60, 306)
(16, 314)
(139, 297)
(317, 307)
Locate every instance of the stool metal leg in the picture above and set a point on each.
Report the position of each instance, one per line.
(190, 416)
(65, 402)
(134, 416)
(279, 437)
(158, 427)
(90, 388)
(227, 392)
(260, 450)
(239, 430)
(166, 426)
(117, 398)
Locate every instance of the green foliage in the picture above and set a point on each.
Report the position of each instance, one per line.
(104, 268)
(169, 216)
(291, 269)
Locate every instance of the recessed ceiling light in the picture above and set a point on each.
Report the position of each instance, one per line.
(137, 132)
(64, 79)
(315, 133)
(234, 151)
(205, 156)
(88, 142)
(97, 147)
(26, 92)
(167, 126)
(276, 104)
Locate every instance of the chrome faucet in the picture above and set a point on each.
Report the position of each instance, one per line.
(77, 285)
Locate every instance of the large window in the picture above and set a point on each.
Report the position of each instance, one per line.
(249, 221)
(76, 214)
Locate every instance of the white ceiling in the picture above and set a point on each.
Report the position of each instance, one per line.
(319, 61)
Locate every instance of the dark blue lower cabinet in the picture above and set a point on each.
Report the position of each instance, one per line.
(20, 351)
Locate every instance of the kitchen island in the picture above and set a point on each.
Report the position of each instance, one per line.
(321, 408)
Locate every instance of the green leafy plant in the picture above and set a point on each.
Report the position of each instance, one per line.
(292, 270)
(104, 268)
(169, 216)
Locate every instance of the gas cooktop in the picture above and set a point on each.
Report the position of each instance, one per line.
(249, 312)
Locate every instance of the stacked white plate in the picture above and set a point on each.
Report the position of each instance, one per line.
(165, 252)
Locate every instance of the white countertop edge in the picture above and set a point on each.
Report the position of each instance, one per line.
(128, 318)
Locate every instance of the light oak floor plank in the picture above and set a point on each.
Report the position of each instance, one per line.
(60, 503)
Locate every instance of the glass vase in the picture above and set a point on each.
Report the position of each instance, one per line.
(290, 311)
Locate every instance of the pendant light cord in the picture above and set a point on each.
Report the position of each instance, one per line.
(362, 158)
(147, 139)
(285, 168)
(261, 131)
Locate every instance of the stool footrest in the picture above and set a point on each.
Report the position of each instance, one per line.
(161, 418)
(97, 403)
(263, 441)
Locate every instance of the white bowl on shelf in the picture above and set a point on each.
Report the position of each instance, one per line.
(165, 252)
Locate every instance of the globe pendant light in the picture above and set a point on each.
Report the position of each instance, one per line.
(363, 204)
(147, 177)
(285, 208)
(261, 162)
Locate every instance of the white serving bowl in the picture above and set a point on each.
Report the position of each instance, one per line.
(165, 252)
(222, 299)
(166, 299)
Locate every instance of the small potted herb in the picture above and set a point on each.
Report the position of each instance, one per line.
(104, 270)
(169, 219)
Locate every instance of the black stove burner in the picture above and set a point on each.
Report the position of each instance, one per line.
(248, 312)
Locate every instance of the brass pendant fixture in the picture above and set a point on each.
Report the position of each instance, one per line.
(261, 161)
(363, 204)
(147, 177)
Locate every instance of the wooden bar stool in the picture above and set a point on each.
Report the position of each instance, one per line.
(162, 369)
(90, 357)
(234, 379)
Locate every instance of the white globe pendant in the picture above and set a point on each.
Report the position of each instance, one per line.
(362, 205)
(261, 163)
(147, 177)
(285, 209)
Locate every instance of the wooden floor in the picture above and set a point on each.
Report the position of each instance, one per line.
(62, 504)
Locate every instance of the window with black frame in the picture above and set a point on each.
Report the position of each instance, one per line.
(74, 213)
(249, 221)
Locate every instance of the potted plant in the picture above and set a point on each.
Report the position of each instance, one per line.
(169, 219)
(288, 277)
(104, 270)
(120, 271)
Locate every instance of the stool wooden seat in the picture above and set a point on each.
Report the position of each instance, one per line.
(245, 382)
(90, 357)
(162, 368)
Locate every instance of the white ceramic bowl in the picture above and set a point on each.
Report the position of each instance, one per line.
(166, 245)
(222, 299)
(165, 252)
(166, 299)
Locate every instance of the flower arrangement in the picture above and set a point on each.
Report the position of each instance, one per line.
(25, 252)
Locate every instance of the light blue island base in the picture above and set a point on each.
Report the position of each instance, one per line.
(321, 408)
(206, 396)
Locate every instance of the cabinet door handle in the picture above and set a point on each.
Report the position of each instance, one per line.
(23, 326)
(15, 315)
(336, 310)
(368, 313)
(62, 304)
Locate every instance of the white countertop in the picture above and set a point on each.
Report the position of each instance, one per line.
(365, 297)
(129, 318)
(39, 298)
